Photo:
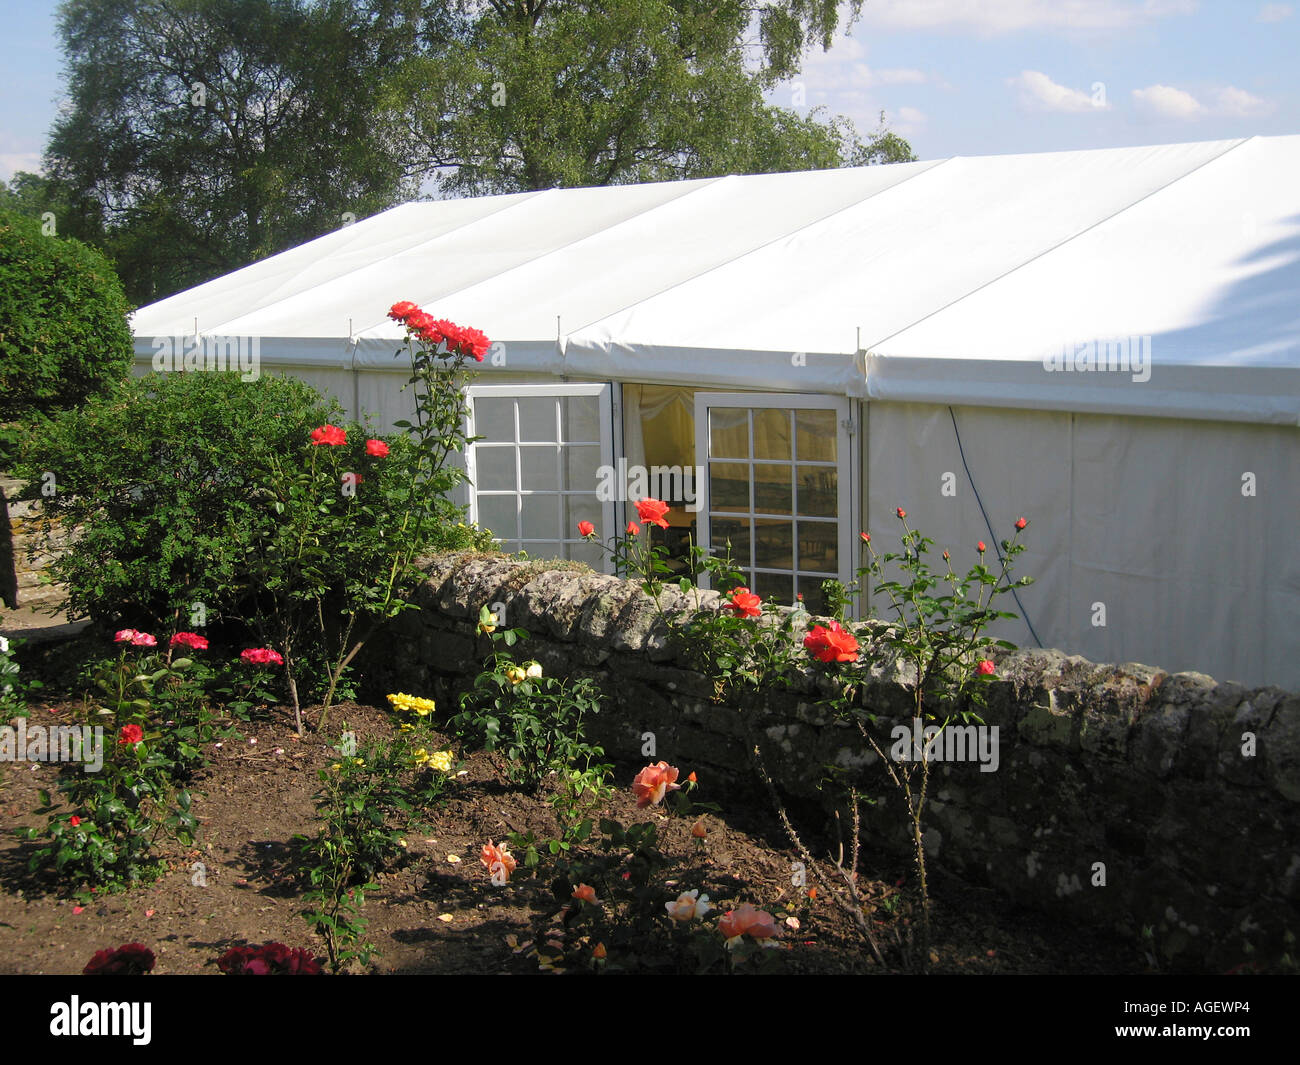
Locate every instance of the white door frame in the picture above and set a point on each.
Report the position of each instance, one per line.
(845, 452)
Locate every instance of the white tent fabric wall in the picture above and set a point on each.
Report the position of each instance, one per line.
(1143, 517)
(968, 281)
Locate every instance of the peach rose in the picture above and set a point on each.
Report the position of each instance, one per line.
(747, 921)
(499, 861)
(689, 905)
(653, 783)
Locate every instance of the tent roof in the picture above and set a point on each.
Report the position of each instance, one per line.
(955, 281)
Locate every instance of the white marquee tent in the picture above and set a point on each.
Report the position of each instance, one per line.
(1107, 342)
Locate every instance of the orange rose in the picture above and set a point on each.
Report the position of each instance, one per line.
(743, 603)
(832, 644)
(652, 511)
(585, 893)
(653, 783)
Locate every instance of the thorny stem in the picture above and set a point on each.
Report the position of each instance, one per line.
(853, 904)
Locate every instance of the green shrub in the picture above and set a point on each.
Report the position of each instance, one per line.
(63, 329)
(157, 478)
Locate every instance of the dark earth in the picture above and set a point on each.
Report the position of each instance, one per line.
(433, 914)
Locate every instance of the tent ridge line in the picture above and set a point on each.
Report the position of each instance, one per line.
(784, 236)
(1061, 243)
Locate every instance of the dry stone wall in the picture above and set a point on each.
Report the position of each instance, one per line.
(1123, 797)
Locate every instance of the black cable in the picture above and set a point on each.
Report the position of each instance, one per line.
(989, 525)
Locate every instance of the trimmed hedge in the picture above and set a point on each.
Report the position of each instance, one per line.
(64, 334)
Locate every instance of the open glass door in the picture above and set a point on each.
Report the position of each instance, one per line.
(534, 476)
(778, 488)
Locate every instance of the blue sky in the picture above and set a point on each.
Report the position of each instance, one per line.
(956, 77)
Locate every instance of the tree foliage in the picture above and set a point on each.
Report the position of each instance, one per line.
(205, 134)
(536, 94)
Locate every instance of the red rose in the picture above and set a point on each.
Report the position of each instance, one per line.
(585, 528)
(271, 959)
(74, 820)
(945, 556)
(633, 529)
(130, 735)
(400, 312)
(328, 434)
(130, 959)
(419, 322)
(902, 513)
(652, 512)
(866, 537)
(1021, 523)
(261, 656)
(377, 448)
(474, 342)
(832, 644)
(191, 640)
(980, 547)
(985, 668)
(743, 603)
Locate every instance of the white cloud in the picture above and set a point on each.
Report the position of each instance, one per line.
(1010, 16)
(1164, 101)
(911, 116)
(1274, 13)
(12, 162)
(1041, 93)
(1238, 103)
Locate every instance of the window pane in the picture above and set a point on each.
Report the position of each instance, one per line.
(537, 418)
(494, 417)
(729, 484)
(544, 549)
(772, 494)
(773, 544)
(540, 517)
(818, 491)
(498, 513)
(774, 587)
(819, 546)
(511, 547)
(580, 419)
(728, 433)
(583, 508)
(815, 435)
(813, 600)
(581, 466)
(722, 530)
(495, 469)
(537, 467)
(771, 433)
(592, 555)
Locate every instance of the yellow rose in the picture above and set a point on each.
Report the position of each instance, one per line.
(440, 760)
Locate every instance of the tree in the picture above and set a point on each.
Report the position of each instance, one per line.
(534, 94)
(205, 134)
